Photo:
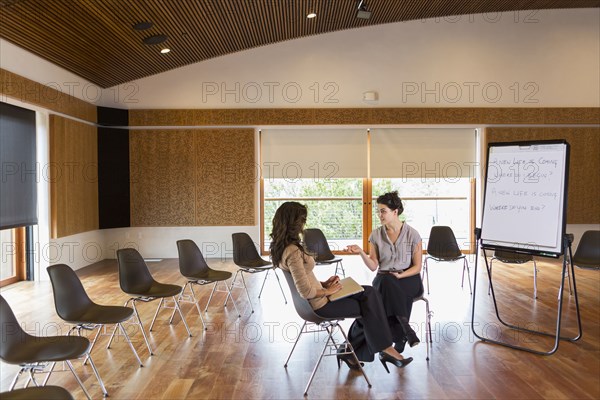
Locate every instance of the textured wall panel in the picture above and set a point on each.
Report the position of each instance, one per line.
(583, 206)
(73, 174)
(226, 175)
(360, 116)
(162, 177)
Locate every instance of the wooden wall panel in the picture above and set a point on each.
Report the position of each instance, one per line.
(46, 96)
(73, 173)
(226, 175)
(162, 177)
(583, 206)
(359, 116)
(193, 177)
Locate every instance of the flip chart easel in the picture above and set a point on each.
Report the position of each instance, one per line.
(524, 211)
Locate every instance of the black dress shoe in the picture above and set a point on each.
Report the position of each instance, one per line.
(386, 358)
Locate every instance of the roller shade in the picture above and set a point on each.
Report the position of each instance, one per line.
(311, 154)
(423, 153)
(18, 171)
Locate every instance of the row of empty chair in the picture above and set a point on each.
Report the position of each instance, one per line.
(73, 305)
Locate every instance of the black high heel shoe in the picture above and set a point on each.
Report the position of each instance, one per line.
(386, 358)
(348, 359)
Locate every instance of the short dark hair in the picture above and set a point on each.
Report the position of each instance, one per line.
(392, 201)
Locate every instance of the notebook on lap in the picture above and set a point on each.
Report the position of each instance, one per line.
(349, 287)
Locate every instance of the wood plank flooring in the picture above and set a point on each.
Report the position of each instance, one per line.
(242, 358)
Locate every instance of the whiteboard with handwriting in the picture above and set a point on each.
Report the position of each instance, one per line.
(525, 196)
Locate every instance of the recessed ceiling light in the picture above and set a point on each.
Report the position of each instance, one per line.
(311, 15)
(165, 51)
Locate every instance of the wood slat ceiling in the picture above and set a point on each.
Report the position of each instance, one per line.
(95, 39)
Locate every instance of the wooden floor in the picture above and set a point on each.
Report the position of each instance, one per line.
(241, 358)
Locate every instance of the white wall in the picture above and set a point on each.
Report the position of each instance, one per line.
(527, 59)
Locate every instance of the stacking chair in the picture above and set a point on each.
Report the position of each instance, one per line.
(329, 325)
(246, 257)
(74, 306)
(197, 272)
(34, 353)
(428, 315)
(42, 393)
(135, 280)
(587, 255)
(510, 257)
(316, 243)
(443, 247)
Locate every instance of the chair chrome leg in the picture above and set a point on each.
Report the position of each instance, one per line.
(93, 341)
(426, 274)
(280, 288)
(129, 343)
(355, 358)
(78, 380)
(89, 357)
(182, 317)
(15, 379)
(48, 374)
(156, 313)
(232, 299)
(312, 375)
(263, 284)
(295, 343)
(535, 271)
(197, 306)
(137, 315)
(246, 289)
(466, 266)
(211, 296)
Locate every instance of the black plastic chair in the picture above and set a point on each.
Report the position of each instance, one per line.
(246, 257)
(443, 247)
(35, 393)
(135, 280)
(316, 243)
(510, 257)
(74, 306)
(587, 255)
(34, 353)
(329, 325)
(194, 268)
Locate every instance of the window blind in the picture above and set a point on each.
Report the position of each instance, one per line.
(18, 171)
(313, 153)
(423, 153)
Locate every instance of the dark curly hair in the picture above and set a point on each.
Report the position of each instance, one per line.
(288, 224)
(392, 201)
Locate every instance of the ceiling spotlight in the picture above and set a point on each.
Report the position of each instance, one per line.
(362, 12)
(311, 15)
(165, 51)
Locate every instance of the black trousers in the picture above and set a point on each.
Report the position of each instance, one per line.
(367, 306)
(397, 296)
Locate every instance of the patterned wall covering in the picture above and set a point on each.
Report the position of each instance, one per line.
(583, 206)
(373, 116)
(192, 177)
(73, 175)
